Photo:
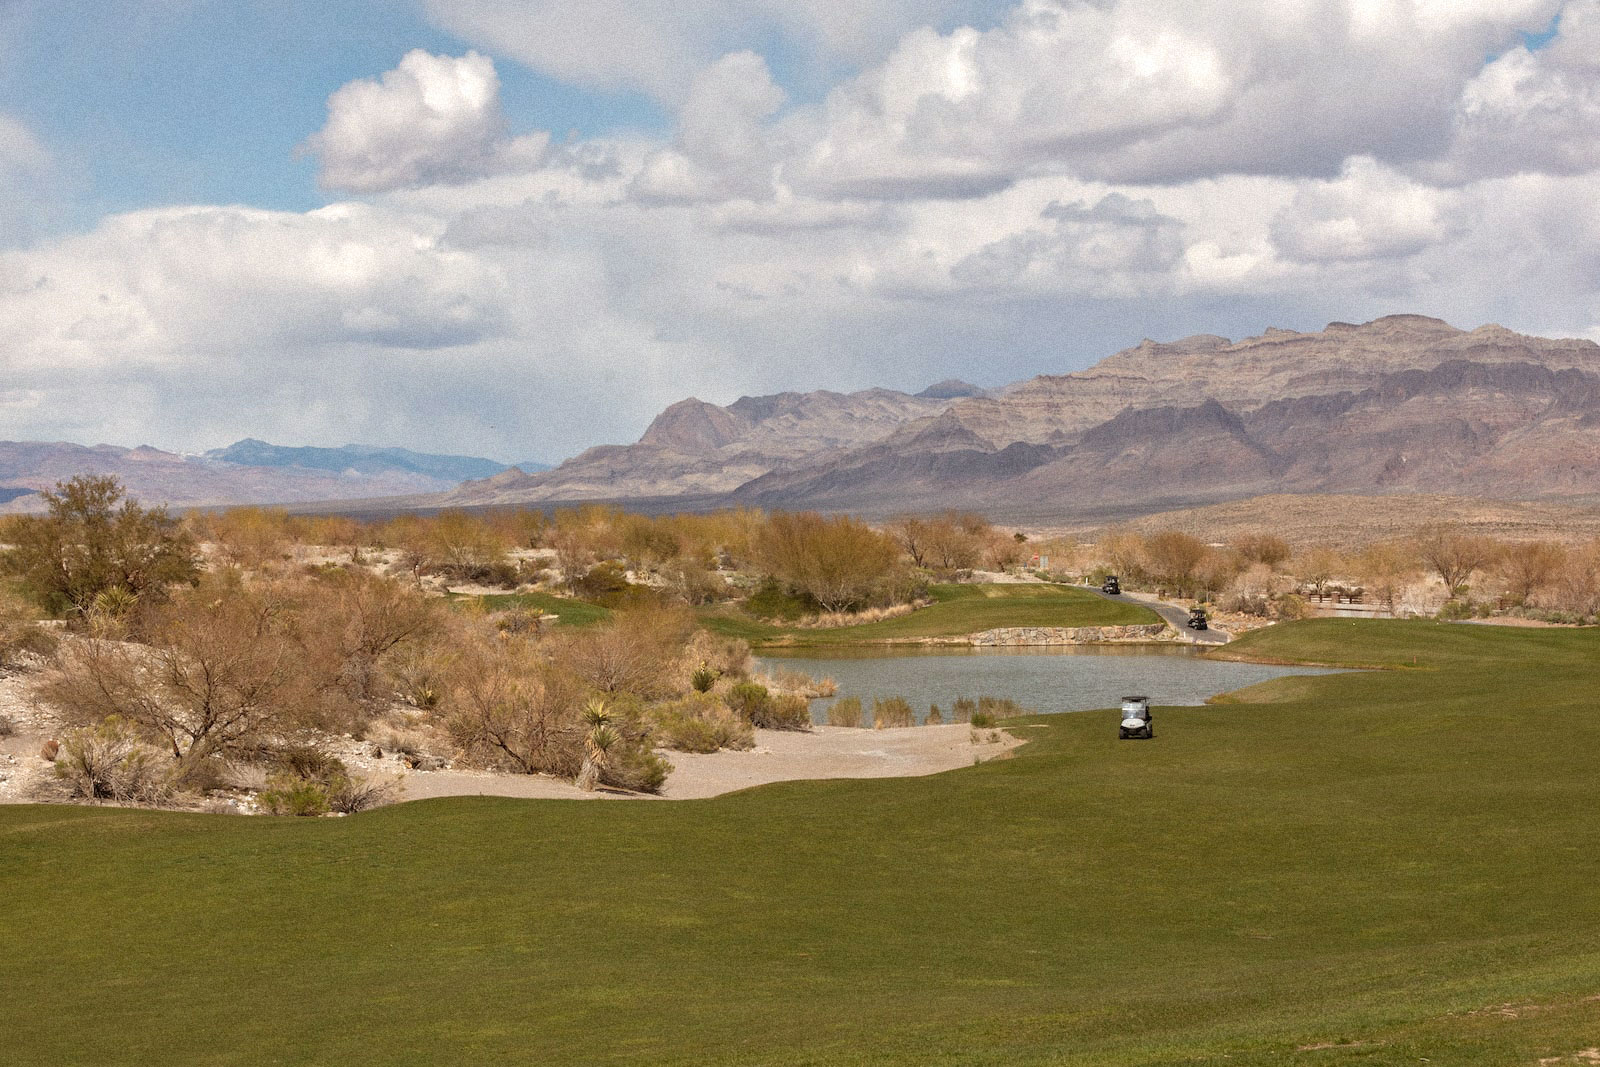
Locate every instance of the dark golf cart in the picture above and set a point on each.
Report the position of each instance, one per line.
(1111, 587)
(1135, 720)
(1197, 619)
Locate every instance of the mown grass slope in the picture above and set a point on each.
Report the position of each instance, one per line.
(569, 611)
(1373, 868)
(956, 610)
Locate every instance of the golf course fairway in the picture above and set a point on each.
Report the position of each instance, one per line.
(1386, 867)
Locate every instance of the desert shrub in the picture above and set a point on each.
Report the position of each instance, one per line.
(507, 708)
(982, 719)
(1246, 604)
(787, 680)
(963, 709)
(94, 539)
(728, 656)
(935, 717)
(287, 794)
(700, 723)
(1454, 610)
(605, 578)
(749, 699)
(1291, 606)
(358, 794)
(109, 762)
(224, 668)
(21, 636)
(703, 677)
(520, 619)
(786, 711)
(638, 653)
(695, 583)
(845, 712)
(892, 712)
(772, 601)
(637, 767)
(307, 761)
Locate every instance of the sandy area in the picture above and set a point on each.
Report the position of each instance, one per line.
(779, 756)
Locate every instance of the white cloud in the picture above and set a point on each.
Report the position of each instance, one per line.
(432, 119)
(657, 46)
(722, 151)
(1369, 212)
(1532, 111)
(1156, 91)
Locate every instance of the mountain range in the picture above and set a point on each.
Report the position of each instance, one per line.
(247, 472)
(1403, 404)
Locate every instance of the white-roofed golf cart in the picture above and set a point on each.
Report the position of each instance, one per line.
(1135, 720)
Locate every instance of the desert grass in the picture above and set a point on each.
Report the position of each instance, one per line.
(845, 712)
(1380, 868)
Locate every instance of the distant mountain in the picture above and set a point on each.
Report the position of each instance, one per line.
(530, 466)
(1404, 404)
(359, 459)
(249, 472)
(698, 448)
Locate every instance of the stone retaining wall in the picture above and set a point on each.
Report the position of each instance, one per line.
(1071, 635)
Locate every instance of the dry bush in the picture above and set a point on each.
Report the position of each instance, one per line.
(838, 562)
(963, 709)
(1270, 550)
(700, 722)
(892, 712)
(507, 708)
(787, 711)
(1453, 554)
(1574, 591)
(354, 624)
(845, 712)
(729, 657)
(110, 762)
(637, 654)
(223, 669)
(935, 716)
(247, 537)
(1529, 567)
(1174, 557)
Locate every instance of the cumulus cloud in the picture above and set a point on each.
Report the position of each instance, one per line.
(1369, 212)
(1156, 91)
(1532, 111)
(723, 150)
(657, 46)
(432, 119)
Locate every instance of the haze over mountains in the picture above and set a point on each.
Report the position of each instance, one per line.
(1402, 404)
(246, 472)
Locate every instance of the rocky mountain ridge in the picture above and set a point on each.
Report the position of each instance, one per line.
(1403, 404)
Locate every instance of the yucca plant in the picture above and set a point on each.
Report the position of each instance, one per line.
(597, 746)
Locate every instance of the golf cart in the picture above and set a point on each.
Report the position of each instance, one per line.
(1135, 720)
(1197, 619)
(1111, 587)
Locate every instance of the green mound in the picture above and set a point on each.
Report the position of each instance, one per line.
(1378, 868)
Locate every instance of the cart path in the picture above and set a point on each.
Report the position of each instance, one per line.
(1174, 615)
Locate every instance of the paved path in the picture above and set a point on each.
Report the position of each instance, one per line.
(1178, 617)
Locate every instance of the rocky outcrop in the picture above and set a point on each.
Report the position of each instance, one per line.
(1021, 636)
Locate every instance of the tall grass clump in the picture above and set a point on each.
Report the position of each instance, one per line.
(935, 716)
(963, 709)
(845, 712)
(892, 712)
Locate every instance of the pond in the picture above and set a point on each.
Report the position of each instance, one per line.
(1040, 679)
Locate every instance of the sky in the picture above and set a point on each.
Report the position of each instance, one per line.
(519, 228)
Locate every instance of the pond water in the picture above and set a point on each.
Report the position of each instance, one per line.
(1040, 679)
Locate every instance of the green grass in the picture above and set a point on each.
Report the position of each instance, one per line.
(1385, 858)
(571, 612)
(956, 610)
